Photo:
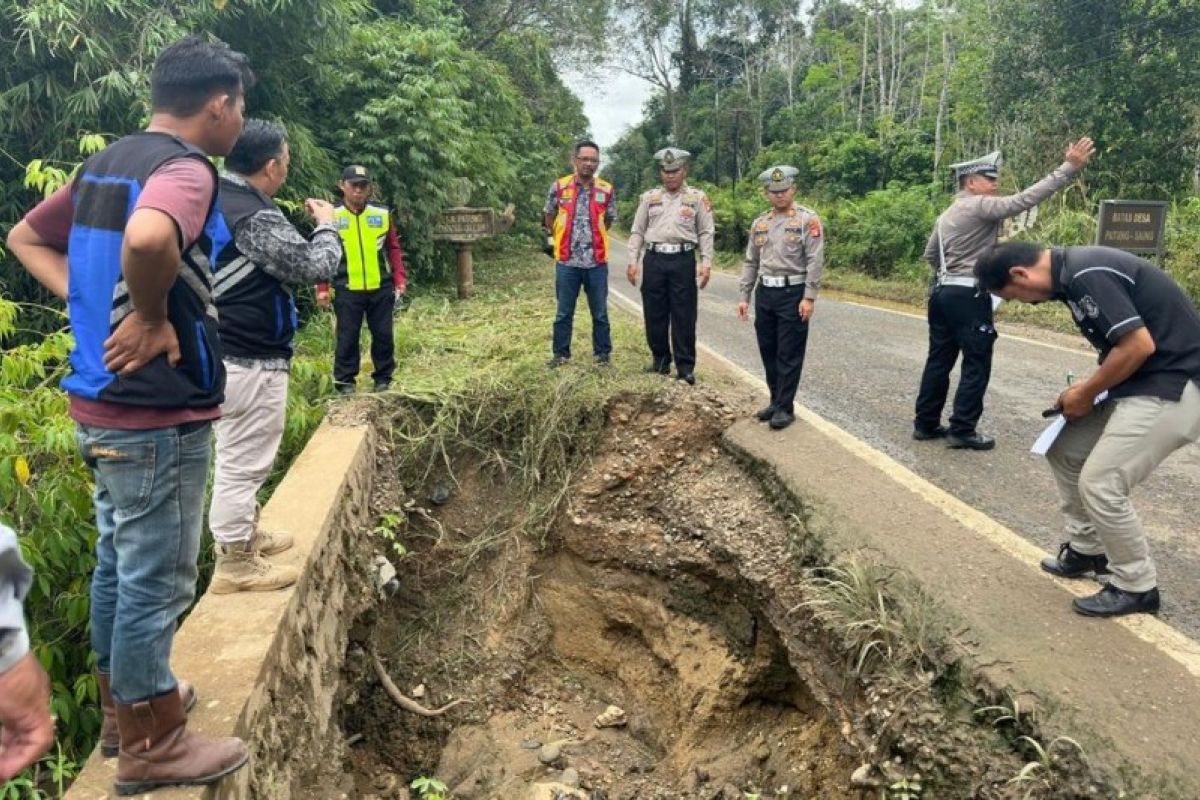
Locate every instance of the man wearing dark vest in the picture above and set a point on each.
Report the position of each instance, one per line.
(371, 282)
(146, 382)
(258, 320)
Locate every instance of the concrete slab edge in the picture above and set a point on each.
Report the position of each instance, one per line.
(266, 665)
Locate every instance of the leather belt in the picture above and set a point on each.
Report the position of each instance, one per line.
(957, 280)
(660, 247)
(779, 281)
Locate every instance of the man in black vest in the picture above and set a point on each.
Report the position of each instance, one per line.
(146, 383)
(258, 321)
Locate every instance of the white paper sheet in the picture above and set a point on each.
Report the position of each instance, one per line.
(1047, 437)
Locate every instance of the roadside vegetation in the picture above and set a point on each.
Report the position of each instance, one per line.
(873, 101)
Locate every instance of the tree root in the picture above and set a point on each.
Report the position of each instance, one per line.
(408, 704)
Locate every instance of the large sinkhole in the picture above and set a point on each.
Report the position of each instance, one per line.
(643, 644)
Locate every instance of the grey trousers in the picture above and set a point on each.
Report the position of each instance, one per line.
(248, 437)
(1098, 460)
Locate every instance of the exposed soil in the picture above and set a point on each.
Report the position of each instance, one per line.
(671, 587)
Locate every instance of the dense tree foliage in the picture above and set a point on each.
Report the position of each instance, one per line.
(423, 91)
(862, 94)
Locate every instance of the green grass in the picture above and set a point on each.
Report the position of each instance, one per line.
(472, 382)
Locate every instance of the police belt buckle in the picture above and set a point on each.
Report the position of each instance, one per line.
(957, 280)
(779, 281)
(657, 247)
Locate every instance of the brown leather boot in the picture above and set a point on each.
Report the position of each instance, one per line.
(157, 750)
(110, 737)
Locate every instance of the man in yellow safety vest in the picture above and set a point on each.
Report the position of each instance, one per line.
(370, 284)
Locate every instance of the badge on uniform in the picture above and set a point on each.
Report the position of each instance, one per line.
(375, 220)
(601, 197)
(814, 228)
(343, 223)
(1089, 306)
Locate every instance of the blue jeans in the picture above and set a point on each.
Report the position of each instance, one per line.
(567, 283)
(149, 499)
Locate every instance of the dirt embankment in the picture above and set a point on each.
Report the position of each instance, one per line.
(675, 587)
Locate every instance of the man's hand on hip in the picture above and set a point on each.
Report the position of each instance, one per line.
(135, 343)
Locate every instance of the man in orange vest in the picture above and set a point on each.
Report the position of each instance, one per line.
(580, 207)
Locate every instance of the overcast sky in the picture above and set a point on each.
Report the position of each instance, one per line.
(612, 101)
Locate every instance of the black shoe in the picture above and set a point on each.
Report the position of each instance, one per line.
(781, 419)
(925, 434)
(603, 360)
(972, 441)
(765, 414)
(1071, 563)
(345, 388)
(687, 377)
(557, 361)
(382, 386)
(1113, 602)
(661, 367)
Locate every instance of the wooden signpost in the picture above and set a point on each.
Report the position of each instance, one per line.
(464, 227)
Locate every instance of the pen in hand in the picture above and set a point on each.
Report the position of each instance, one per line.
(1053, 412)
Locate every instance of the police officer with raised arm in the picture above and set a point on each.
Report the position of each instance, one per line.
(784, 259)
(672, 220)
(960, 315)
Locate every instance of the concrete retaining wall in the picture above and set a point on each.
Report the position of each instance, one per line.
(266, 665)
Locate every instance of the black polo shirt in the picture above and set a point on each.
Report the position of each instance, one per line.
(1110, 293)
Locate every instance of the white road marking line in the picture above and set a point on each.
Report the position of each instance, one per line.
(1173, 643)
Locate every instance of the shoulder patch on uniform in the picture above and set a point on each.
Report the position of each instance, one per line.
(1089, 306)
(814, 227)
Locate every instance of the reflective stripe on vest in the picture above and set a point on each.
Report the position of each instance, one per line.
(363, 235)
(564, 221)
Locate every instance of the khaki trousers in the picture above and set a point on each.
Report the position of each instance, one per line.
(248, 437)
(1098, 460)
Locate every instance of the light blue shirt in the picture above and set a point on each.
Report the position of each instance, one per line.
(15, 579)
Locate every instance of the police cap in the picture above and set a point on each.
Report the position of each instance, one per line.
(778, 178)
(672, 158)
(988, 166)
(356, 173)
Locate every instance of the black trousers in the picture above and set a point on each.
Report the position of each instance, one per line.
(669, 299)
(959, 321)
(377, 306)
(782, 339)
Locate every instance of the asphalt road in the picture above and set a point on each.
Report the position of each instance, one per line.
(861, 372)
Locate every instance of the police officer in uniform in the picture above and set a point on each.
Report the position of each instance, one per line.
(960, 315)
(784, 258)
(372, 280)
(672, 220)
